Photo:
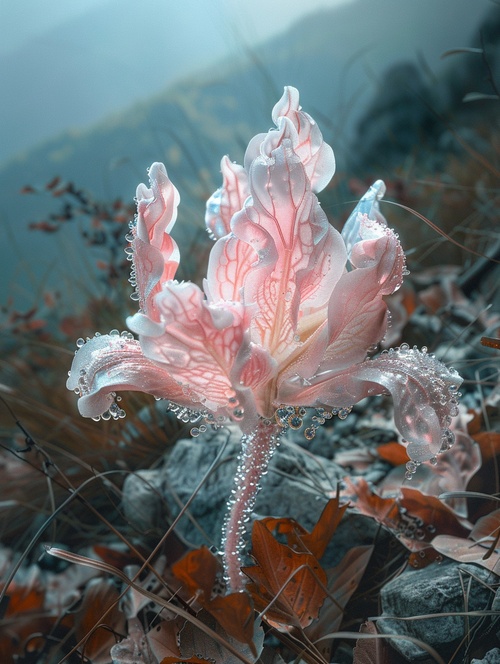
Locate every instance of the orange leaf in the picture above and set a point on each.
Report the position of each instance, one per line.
(342, 583)
(197, 571)
(489, 442)
(163, 641)
(235, 614)
(119, 559)
(293, 582)
(394, 453)
(98, 632)
(23, 599)
(384, 510)
(317, 540)
(432, 512)
(424, 557)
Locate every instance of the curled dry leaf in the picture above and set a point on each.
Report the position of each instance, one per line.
(197, 571)
(135, 648)
(373, 650)
(342, 583)
(195, 645)
(288, 583)
(99, 633)
(413, 516)
(482, 547)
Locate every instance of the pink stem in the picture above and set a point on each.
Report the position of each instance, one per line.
(256, 452)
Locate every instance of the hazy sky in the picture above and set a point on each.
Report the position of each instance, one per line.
(257, 19)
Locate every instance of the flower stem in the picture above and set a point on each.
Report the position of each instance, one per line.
(256, 452)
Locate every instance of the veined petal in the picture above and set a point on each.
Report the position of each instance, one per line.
(423, 389)
(199, 342)
(109, 363)
(307, 141)
(357, 312)
(230, 261)
(284, 222)
(155, 254)
(227, 200)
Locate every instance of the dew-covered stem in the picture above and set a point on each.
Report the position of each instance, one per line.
(256, 452)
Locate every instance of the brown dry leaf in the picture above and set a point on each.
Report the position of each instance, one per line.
(342, 583)
(367, 502)
(489, 442)
(394, 453)
(433, 512)
(299, 539)
(118, 559)
(197, 571)
(196, 645)
(423, 557)
(317, 540)
(235, 614)
(135, 648)
(487, 527)
(97, 632)
(467, 551)
(413, 516)
(372, 651)
(482, 548)
(163, 641)
(292, 583)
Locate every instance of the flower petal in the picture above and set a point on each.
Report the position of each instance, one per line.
(227, 200)
(109, 363)
(197, 342)
(284, 223)
(423, 389)
(155, 254)
(357, 312)
(307, 141)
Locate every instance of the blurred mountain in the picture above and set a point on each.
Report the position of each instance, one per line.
(336, 58)
(410, 108)
(98, 74)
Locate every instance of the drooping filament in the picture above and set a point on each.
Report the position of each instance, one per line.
(256, 452)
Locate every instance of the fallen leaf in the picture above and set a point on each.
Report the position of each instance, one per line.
(342, 583)
(199, 646)
(374, 650)
(135, 648)
(98, 633)
(394, 453)
(467, 551)
(197, 572)
(288, 586)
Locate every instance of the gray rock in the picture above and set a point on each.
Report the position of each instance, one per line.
(433, 590)
(491, 657)
(296, 486)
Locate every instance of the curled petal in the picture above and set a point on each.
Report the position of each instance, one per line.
(307, 141)
(284, 223)
(227, 200)
(231, 259)
(155, 254)
(423, 389)
(367, 208)
(109, 363)
(357, 312)
(195, 341)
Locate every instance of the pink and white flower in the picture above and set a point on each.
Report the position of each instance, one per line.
(287, 315)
